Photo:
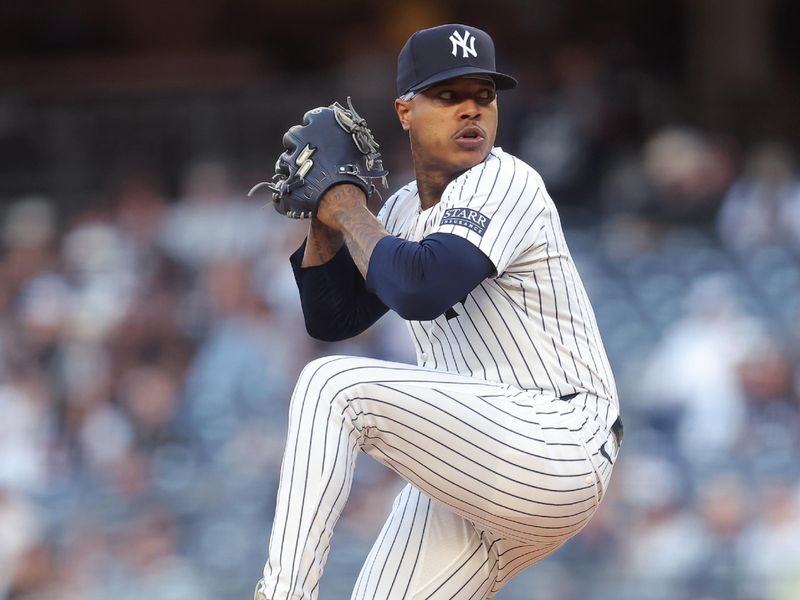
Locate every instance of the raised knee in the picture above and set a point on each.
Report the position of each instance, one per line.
(331, 376)
(317, 365)
(328, 366)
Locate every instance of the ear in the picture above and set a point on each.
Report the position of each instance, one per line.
(403, 110)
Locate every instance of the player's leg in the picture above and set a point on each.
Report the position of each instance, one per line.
(483, 450)
(425, 550)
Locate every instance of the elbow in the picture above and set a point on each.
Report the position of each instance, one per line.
(336, 329)
(418, 307)
(325, 334)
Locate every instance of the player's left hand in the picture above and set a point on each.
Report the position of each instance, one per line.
(332, 146)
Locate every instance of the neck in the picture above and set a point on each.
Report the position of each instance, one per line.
(431, 180)
(430, 186)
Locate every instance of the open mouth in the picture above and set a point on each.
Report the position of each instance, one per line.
(470, 136)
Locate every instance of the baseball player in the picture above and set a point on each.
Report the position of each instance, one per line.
(507, 428)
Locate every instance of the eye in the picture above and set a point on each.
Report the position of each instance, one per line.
(446, 95)
(486, 95)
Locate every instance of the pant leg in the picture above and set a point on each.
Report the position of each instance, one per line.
(425, 550)
(488, 453)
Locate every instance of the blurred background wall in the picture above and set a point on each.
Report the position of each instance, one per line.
(150, 332)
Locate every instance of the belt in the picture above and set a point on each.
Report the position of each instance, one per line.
(619, 431)
(616, 428)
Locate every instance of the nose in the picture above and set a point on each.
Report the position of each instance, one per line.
(469, 110)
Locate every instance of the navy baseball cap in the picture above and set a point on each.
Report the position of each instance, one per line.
(444, 52)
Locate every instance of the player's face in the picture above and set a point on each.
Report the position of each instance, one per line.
(452, 124)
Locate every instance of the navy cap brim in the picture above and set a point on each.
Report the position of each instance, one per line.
(501, 80)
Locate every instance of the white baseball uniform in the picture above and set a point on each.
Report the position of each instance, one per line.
(503, 430)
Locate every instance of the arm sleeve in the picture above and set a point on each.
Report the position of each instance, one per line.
(336, 304)
(421, 280)
(499, 206)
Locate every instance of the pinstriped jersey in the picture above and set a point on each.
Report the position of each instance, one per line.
(530, 324)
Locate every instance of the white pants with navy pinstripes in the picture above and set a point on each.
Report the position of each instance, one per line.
(498, 479)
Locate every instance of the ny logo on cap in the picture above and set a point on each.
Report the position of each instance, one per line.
(462, 41)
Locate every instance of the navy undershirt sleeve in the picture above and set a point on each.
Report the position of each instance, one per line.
(421, 280)
(418, 280)
(336, 305)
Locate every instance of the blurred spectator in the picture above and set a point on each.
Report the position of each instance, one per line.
(25, 433)
(140, 215)
(690, 172)
(239, 370)
(106, 437)
(100, 262)
(691, 381)
(770, 549)
(665, 544)
(150, 395)
(211, 221)
(723, 506)
(678, 175)
(148, 563)
(763, 204)
(560, 133)
(21, 530)
(770, 385)
(29, 236)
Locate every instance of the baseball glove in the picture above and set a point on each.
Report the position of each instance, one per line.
(333, 145)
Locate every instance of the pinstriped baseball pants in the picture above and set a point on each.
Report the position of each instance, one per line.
(498, 479)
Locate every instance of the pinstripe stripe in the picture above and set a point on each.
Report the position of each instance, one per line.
(465, 562)
(513, 211)
(468, 316)
(425, 378)
(494, 429)
(505, 526)
(416, 453)
(443, 354)
(485, 289)
(522, 224)
(284, 527)
(478, 464)
(346, 483)
(488, 321)
(394, 541)
(406, 546)
(450, 334)
(525, 560)
(379, 548)
(559, 242)
(593, 367)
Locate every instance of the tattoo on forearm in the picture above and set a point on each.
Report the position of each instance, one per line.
(348, 221)
(322, 245)
(362, 231)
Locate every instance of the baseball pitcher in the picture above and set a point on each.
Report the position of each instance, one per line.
(507, 428)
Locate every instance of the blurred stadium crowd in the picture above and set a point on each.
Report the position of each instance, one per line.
(149, 346)
(150, 337)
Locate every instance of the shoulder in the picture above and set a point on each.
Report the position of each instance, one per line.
(516, 165)
(398, 201)
(402, 196)
(499, 173)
